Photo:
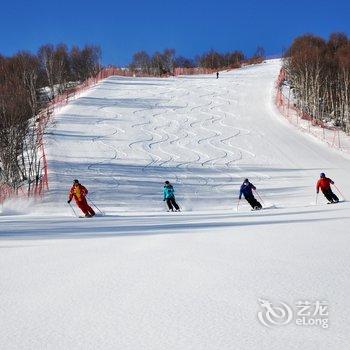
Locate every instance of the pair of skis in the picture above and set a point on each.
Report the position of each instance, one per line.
(87, 217)
(256, 208)
(339, 201)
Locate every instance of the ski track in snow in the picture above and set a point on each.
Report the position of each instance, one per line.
(199, 133)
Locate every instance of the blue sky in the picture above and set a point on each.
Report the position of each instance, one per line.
(191, 27)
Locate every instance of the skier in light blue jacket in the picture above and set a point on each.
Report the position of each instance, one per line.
(169, 197)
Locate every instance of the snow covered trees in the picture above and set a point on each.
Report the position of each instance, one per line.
(319, 74)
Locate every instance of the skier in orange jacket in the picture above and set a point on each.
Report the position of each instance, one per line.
(324, 183)
(79, 192)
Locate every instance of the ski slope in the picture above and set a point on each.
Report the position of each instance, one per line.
(142, 278)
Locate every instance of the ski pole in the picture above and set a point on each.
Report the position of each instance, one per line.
(339, 191)
(316, 197)
(73, 210)
(259, 197)
(238, 204)
(95, 205)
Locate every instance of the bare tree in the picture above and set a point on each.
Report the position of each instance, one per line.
(216, 60)
(211, 59)
(161, 63)
(20, 104)
(46, 54)
(184, 62)
(319, 72)
(259, 53)
(13, 121)
(168, 59)
(84, 62)
(23, 111)
(141, 62)
(62, 69)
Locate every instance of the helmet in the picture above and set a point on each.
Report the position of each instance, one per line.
(167, 182)
(76, 181)
(246, 180)
(322, 175)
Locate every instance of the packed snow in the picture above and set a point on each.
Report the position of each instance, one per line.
(142, 278)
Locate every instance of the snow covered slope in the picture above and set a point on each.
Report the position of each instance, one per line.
(141, 278)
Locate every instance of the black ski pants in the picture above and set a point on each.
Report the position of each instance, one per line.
(330, 195)
(172, 204)
(253, 202)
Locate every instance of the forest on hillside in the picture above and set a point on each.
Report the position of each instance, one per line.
(27, 84)
(318, 72)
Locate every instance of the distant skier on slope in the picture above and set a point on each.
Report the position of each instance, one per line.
(247, 190)
(217, 75)
(169, 197)
(79, 192)
(324, 183)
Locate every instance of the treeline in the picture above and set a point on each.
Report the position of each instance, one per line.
(163, 63)
(160, 63)
(27, 83)
(216, 60)
(60, 67)
(318, 72)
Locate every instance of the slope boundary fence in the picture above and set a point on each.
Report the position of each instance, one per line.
(333, 136)
(193, 71)
(41, 183)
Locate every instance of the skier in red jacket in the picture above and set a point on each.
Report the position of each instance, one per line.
(324, 183)
(79, 192)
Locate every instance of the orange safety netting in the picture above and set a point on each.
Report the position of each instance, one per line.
(332, 135)
(42, 183)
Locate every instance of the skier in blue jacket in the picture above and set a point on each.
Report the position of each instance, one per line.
(247, 191)
(169, 197)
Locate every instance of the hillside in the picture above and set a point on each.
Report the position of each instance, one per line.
(142, 278)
